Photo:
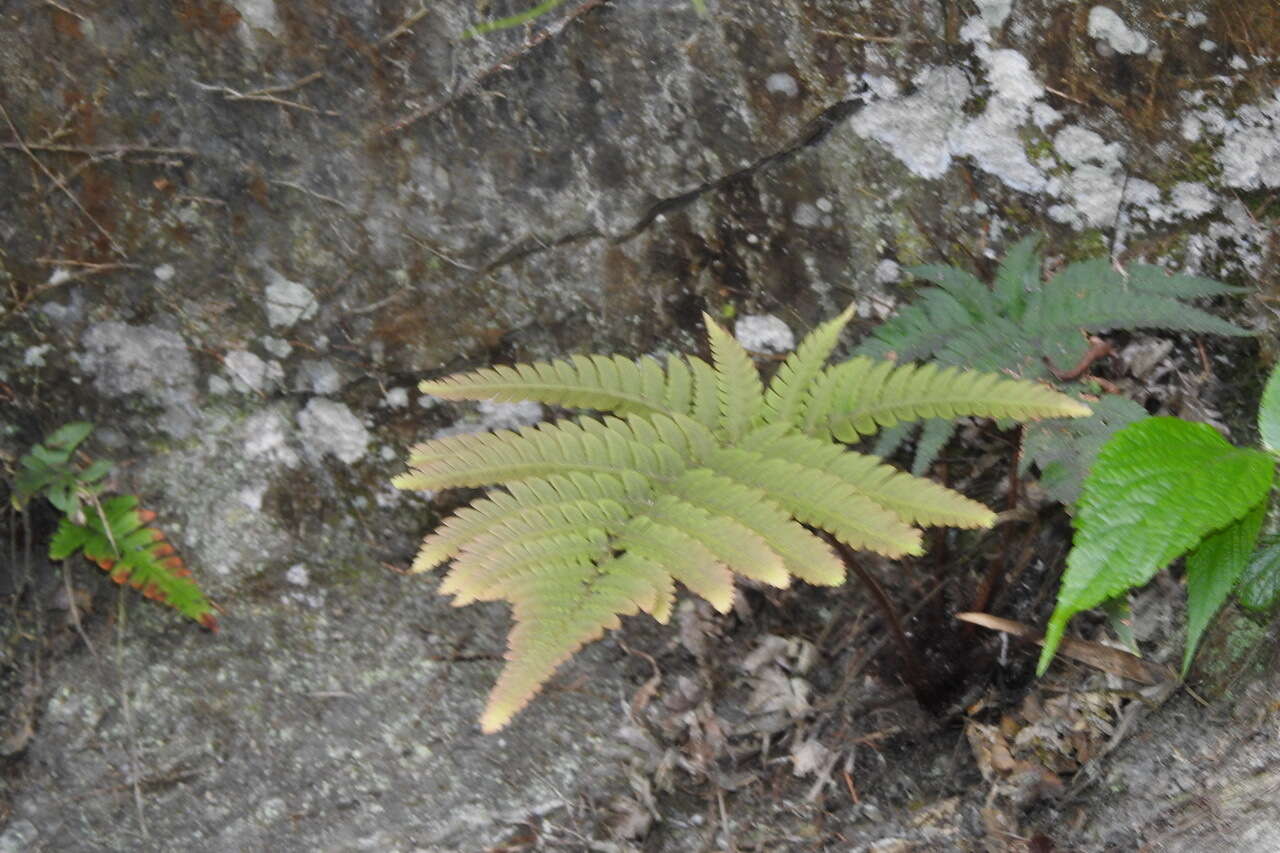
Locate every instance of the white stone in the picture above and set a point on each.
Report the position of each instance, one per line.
(888, 271)
(34, 356)
(298, 575)
(164, 272)
(805, 215)
(764, 333)
(396, 398)
(318, 377)
(250, 373)
(994, 12)
(782, 84)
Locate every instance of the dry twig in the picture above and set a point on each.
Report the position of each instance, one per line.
(504, 64)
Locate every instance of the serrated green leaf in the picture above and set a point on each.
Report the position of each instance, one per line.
(1259, 588)
(1269, 413)
(1136, 512)
(1212, 571)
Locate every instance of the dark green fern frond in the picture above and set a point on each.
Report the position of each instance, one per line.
(1029, 328)
(1064, 450)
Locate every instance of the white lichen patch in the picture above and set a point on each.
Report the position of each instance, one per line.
(764, 333)
(915, 128)
(266, 439)
(248, 372)
(1250, 152)
(146, 360)
(1110, 29)
(993, 139)
(287, 302)
(328, 426)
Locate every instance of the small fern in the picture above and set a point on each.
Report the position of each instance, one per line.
(113, 533)
(695, 472)
(1033, 329)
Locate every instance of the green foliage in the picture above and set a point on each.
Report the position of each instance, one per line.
(112, 533)
(48, 469)
(1162, 488)
(1260, 584)
(1028, 327)
(697, 471)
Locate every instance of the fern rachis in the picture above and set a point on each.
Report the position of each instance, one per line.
(695, 472)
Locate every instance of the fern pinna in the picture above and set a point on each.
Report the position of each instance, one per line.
(696, 471)
(117, 536)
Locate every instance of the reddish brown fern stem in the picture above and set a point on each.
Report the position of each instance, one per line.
(996, 569)
(914, 670)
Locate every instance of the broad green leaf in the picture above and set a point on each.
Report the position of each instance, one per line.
(1159, 486)
(1269, 413)
(1212, 571)
(1259, 588)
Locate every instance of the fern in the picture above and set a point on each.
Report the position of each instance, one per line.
(116, 535)
(695, 472)
(113, 533)
(1024, 326)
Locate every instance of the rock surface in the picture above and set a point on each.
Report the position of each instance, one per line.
(270, 220)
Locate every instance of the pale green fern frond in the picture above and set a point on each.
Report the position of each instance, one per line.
(784, 400)
(604, 383)
(586, 446)
(862, 396)
(557, 616)
(697, 475)
(820, 499)
(803, 554)
(915, 499)
(737, 382)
